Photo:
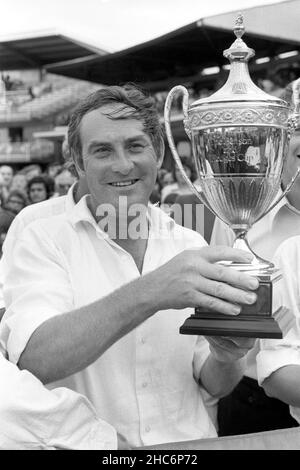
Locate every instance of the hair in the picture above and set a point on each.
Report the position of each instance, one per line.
(136, 105)
(39, 180)
(19, 194)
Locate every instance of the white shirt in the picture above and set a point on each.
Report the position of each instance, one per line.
(264, 238)
(30, 213)
(144, 384)
(34, 418)
(275, 354)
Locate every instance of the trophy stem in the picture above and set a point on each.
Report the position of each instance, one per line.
(241, 243)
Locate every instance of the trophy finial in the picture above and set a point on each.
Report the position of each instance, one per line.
(239, 28)
(239, 50)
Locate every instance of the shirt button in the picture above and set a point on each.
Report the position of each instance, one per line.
(147, 429)
(145, 384)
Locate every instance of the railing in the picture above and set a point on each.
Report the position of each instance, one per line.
(13, 152)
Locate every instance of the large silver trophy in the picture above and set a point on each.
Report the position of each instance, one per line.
(240, 137)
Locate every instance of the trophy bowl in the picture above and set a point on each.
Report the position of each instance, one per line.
(240, 137)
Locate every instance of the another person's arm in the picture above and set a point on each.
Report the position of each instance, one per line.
(33, 417)
(278, 361)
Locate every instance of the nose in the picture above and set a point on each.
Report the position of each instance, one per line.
(122, 163)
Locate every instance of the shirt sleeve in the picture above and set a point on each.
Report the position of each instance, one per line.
(221, 234)
(2, 305)
(15, 229)
(33, 417)
(36, 287)
(202, 352)
(274, 354)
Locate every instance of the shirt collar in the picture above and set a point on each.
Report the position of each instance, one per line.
(70, 199)
(159, 222)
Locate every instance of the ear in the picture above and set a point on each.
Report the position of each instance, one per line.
(160, 156)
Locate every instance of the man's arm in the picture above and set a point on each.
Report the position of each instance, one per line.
(278, 361)
(225, 365)
(69, 342)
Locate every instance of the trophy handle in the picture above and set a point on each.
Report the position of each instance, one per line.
(185, 106)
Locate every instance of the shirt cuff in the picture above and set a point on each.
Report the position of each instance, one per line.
(18, 329)
(269, 361)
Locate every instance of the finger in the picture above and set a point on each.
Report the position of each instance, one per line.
(226, 352)
(225, 253)
(247, 343)
(227, 345)
(217, 305)
(227, 275)
(224, 291)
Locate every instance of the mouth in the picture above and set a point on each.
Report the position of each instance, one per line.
(122, 184)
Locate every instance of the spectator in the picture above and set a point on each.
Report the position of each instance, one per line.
(63, 181)
(7, 174)
(180, 186)
(6, 218)
(38, 190)
(51, 184)
(53, 169)
(19, 182)
(16, 201)
(30, 171)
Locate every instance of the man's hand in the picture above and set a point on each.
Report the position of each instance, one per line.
(193, 279)
(226, 350)
(225, 366)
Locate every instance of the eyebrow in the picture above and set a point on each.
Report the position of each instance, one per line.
(95, 143)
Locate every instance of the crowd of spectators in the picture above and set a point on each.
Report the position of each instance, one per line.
(29, 185)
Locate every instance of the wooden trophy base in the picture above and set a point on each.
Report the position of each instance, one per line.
(254, 321)
(220, 325)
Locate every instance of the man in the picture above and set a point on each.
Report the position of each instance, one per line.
(100, 308)
(248, 409)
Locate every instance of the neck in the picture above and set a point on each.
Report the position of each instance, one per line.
(293, 196)
(128, 231)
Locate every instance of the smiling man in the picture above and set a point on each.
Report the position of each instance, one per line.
(100, 312)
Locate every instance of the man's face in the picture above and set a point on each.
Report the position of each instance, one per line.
(7, 175)
(37, 193)
(118, 158)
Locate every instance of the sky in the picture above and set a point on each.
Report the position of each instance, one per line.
(110, 24)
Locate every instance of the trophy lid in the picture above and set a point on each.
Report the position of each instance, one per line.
(239, 86)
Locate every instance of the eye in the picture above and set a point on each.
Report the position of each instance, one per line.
(136, 147)
(101, 152)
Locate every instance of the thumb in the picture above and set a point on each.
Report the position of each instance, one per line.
(225, 253)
